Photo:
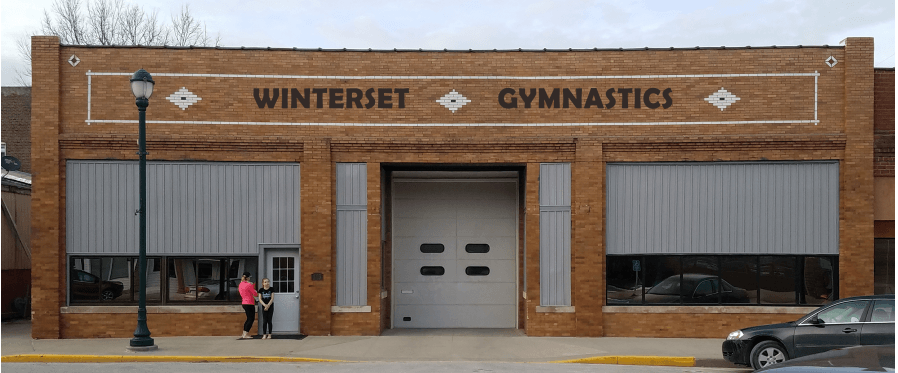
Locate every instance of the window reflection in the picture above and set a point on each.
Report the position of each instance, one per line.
(624, 280)
(778, 280)
(662, 277)
(741, 272)
(207, 279)
(819, 277)
(111, 279)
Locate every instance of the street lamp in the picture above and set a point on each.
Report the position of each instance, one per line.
(142, 88)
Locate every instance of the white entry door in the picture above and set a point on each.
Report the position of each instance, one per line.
(282, 269)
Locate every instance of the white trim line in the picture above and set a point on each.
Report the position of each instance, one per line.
(89, 121)
(449, 77)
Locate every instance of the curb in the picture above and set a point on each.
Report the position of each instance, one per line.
(672, 361)
(36, 358)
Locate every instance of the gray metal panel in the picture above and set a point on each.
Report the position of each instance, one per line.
(555, 184)
(352, 234)
(192, 208)
(723, 208)
(555, 234)
(555, 258)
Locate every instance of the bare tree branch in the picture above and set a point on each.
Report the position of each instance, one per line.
(112, 22)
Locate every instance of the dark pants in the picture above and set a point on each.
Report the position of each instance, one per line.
(250, 310)
(266, 316)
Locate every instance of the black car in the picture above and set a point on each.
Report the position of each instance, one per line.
(86, 286)
(867, 320)
(848, 359)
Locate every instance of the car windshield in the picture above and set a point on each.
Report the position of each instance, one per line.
(670, 286)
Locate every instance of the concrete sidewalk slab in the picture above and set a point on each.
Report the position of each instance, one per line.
(493, 345)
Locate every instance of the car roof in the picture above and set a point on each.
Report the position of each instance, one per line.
(877, 296)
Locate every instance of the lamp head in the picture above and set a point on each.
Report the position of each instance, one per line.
(142, 84)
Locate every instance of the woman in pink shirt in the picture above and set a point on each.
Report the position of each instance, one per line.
(249, 294)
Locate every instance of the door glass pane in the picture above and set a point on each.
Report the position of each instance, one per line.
(843, 313)
(283, 274)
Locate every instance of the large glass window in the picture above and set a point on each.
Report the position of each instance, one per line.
(207, 279)
(116, 280)
(111, 280)
(721, 279)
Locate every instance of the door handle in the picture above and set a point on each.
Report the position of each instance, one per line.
(848, 330)
(297, 295)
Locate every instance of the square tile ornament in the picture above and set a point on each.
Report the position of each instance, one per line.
(183, 98)
(453, 101)
(722, 99)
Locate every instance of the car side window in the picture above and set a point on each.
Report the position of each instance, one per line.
(843, 313)
(705, 288)
(883, 311)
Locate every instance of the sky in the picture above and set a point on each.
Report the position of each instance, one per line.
(500, 24)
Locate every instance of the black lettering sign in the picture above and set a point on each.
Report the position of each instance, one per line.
(555, 98)
(508, 104)
(548, 100)
(264, 100)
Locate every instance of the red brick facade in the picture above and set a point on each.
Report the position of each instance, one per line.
(16, 119)
(793, 106)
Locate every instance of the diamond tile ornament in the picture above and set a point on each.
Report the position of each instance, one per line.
(831, 61)
(74, 60)
(183, 98)
(453, 101)
(722, 99)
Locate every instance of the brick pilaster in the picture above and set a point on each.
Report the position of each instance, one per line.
(317, 237)
(856, 221)
(47, 242)
(587, 243)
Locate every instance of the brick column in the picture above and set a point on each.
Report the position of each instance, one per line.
(317, 237)
(531, 253)
(47, 241)
(856, 189)
(375, 253)
(587, 241)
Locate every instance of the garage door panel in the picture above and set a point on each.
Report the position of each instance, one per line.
(499, 247)
(486, 227)
(410, 247)
(425, 190)
(425, 208)
(489, 208)
(455, 316)
(487, 191)
(408, 293)
(410, 271)
(499, 270)
(410, 227)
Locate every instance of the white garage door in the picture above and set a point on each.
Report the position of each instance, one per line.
(454, 260)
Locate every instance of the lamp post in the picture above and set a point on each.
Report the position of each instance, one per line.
(142, 88)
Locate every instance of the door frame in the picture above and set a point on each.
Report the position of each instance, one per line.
(264, 253)
(517, 244)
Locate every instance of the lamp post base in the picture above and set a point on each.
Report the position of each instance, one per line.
(133, 348)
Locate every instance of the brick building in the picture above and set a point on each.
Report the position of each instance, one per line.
(565, 193)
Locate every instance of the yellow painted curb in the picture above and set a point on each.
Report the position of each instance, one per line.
(635, 360)
(34, 358)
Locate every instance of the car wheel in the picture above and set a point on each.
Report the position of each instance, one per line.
(767, 353)
(107, 295)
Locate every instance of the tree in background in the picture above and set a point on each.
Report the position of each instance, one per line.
(112, 22)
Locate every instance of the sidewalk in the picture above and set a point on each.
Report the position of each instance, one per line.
(494, 345)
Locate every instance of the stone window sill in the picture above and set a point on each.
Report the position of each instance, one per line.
(555, 309)
(154, 309)
(350, 309)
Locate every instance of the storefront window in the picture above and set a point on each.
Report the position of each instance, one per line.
(207, 279)
(818, 280)
(662, 279)
(624, 285)
(778, 280)
(720, 279)
(111, 280)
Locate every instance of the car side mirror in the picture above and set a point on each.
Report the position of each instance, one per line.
(816, 321)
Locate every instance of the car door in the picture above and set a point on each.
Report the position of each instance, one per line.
(839, 326)
(880, 326)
